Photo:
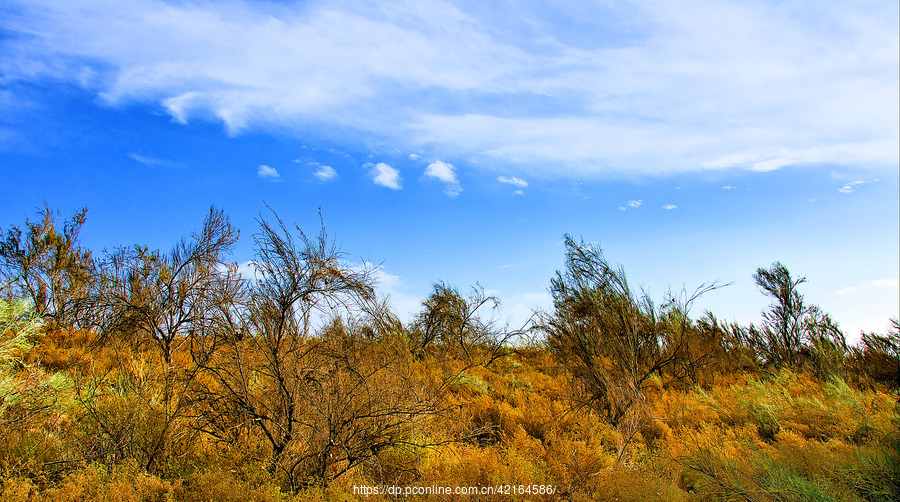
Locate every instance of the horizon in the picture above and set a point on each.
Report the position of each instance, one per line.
(458, 142)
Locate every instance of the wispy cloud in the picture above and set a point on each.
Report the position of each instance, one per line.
(641, 88)
(728, 187)
(247, 270)
(392, 286)
(268, 173)
(519, 182)
(385, 175)
(519, 308)
(877, 283)
(152, 161)
(852, 186)
(445, 173)
(632, 204)
(324, 173)
(669, 207)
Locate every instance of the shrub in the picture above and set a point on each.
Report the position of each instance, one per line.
(612, 340)
(48, 267)
(877, 357)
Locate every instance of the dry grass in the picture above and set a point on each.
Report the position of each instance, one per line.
(745, 436)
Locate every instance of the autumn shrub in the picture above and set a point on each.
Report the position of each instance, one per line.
(223, 485)
(58, 349)
(578, 451)
(43, 262)
(94, 482)
(462, 327)
(538, 414)
(634, 486)
(613, 341)
(394, 466)
(493, 420)
(125, 414)
(655, 432)
(876, 359)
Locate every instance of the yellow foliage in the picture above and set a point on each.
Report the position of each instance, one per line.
(508, 423)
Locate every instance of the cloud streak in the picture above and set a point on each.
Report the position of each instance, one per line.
(852, 186)
(877, 283)
(512, 181)
(152, 161)
(640, 88)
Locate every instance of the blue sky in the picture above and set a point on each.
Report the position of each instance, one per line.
(458, 141)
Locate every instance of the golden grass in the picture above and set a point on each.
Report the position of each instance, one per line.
(745, 435)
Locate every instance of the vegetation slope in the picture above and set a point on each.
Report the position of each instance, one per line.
(151, 375)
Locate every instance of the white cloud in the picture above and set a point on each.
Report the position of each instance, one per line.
(519, 182)
(268, 173)
(869, 152)
(518, 192)
(404, 304)
(669, 207)
(325, 173)
(642, 88)
(877, 283)
(518, 308)
(851, 187)
(247, 270)
(635, 203)
(442, 171)
(445, 173)
(728, 187)
(847, 291)
(385, 175)
(731, 160)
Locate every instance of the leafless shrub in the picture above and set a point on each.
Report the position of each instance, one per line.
(301, 380)
(165, 305)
